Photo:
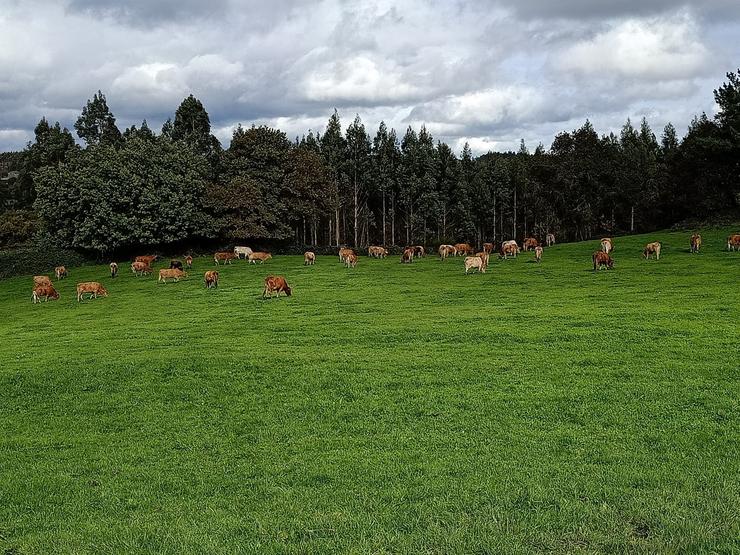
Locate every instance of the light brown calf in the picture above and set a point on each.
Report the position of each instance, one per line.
(113, 269)
(188, 262)
(93, 288)
(211, 278)
(652, 249)
(45, 292)
(607, 245)
(60, 272)
(695, 242)
(141, 268)
(550, 239)
(277, 285)
(350, 260)
(733, 242)
(309, 258)
(146, 259)
(509, 248)
(225, 257)
(259, 257)
(538, 253)
(344, 252)
(475, 262)
(407, 257)
(41, 280)
(530, 243)
(488, 247)
(377, 252)
(171, 273)
(447, 250)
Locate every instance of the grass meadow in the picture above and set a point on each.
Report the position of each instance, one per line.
(537, 408)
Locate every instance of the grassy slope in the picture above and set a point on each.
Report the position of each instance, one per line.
(389, 408)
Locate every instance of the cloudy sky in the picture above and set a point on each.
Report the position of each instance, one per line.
(488, 72)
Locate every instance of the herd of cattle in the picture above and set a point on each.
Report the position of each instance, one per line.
(43, 289)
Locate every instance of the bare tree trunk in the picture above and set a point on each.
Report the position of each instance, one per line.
(494, 217)
(393, 220)
(384, 243)
(632, 219)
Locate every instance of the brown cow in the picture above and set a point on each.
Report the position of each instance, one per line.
(225, 257)
(44, 291)
(41, 280)
(530, 243)
(508, 248)
(172, 273)
(189, 262)
(538, 253)
(309, 258)
(113, 269)
(602, 260)
(607, 245)
(484, 256)
(211, 278)
(419, 251)
(652, 249)
(408, 255)
(60, 272)
(447, 250)
(259, 256)
(695, 242)
(377, 252)
(350, 260)
(488, 247)
(733, 242)
(277, 284)
(141, 268)
(550, 239)
(475, 262)
(146, 259)
(344, 252)
(92, 287)
(463, 248)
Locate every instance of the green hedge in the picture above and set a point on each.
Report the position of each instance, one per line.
(38, 260)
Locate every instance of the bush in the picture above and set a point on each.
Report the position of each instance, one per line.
(38, 259)
(17, 227)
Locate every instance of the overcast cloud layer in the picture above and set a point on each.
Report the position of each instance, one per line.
(488, 72)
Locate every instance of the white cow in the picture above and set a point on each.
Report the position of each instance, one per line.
(239, 251)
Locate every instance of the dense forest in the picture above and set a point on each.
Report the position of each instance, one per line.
(353, 187)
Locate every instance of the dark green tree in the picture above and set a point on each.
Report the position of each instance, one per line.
(96, 124)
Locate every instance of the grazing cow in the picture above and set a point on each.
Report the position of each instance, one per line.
(147, 259)
(175, 264)
(463, 248)
(408, 255)
(239, 251)
(91, 287)
(60, 272)
(377, 252)
(350, 260)
(695, 242)
(475, 262)
(484, 256)
(733, 242)
(189, 262)
(419, 251)
(172, 273)
(509, 248)
(225, 257)
(41, 280)
(488, 247)
(602, 260)
(550, 239)
(344, 252)
(259, 256)
(211, 278)
(309, 258)
(141, 268)
(538, 253)
(652, 249)
(277, 284)
(447, 250)
(113, 269)
(45, 292)
(607, 245)
(530, 243)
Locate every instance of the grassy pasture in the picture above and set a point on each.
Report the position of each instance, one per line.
(384, 409)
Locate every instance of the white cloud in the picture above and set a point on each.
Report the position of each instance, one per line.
(647, 49)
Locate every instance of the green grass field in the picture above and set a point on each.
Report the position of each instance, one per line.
(384, 409)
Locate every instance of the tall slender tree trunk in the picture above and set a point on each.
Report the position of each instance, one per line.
(356, 211)
(384, 243)
(393, 220)
(632, 219)
(494, 217)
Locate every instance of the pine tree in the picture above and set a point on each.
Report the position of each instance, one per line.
(96, 124)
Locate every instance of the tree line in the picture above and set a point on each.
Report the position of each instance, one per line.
(125, 189)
